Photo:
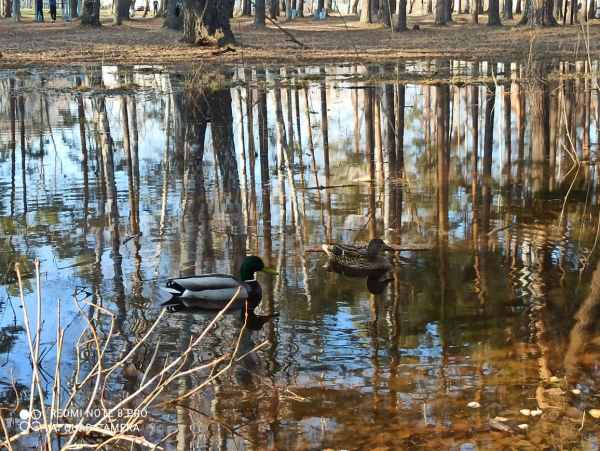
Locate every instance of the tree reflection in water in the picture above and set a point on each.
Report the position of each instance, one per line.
(499, 179)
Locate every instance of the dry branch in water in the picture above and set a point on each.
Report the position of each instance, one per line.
(397, 247)
(114, 421)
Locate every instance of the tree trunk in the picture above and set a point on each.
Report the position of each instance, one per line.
(288, 9)
(401, 24)
(90, 14)
(592, 11)
(538, 13)
(475, 11)
(300, 8)
(449, 6)
(354, 9)
(272, 9)
(173, 14)
(386, 15)
(365, 15)
(246, 8)
(440, 12)
(259, 13)
(508, 7)
(74, 9)
(121, 11)
(494, 13)
(206, 22)
(374, 9)
(518, 8)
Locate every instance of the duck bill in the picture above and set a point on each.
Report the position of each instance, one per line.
(389, 248)
(269, 271)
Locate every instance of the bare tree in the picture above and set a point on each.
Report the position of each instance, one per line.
(494, 13)
(121, 11)
(386, 14)
(91, 13)
(449, 6)
(7, 8)
(401, 23)
(259, 12)
(246, 8)
(365, 15)
(538, 13)
(440, 12)
(475, 10)
(173, 12)
(206, 22)
(507, 13)
(272, 9)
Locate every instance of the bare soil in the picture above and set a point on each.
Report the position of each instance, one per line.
(336, 39)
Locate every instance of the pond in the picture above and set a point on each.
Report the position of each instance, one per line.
(482, 335)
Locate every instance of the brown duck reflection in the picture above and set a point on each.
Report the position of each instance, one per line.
(376, 280)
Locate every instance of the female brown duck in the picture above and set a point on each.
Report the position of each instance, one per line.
(359, 257)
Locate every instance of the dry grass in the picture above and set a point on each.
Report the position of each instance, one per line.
(337, 39)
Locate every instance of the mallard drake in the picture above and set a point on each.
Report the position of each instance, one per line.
(214, 291)
(359, 257)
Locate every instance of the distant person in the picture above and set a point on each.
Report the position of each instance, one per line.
(52, 10)
(155, 7)
(39, 10)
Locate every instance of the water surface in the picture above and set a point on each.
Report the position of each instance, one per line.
(498, 180)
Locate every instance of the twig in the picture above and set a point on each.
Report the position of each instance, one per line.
(292, 38)
(397, 247)
(327, 187)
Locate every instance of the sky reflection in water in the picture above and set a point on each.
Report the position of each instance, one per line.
(485, 316)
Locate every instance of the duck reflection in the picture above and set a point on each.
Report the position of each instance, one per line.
(247, 316)
(376, 278)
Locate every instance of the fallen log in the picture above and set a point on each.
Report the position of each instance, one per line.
(397, 247)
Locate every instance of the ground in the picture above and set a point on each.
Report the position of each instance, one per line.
(333, 40)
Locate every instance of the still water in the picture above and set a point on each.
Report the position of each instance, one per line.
(117, 179)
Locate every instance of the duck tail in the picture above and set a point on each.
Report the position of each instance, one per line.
(173, 288)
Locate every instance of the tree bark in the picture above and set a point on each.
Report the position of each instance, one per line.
(272, 9)
(508, 7)
(386, 15)
(246, 8)
(475, 11)
(91, 13)
(121, 11)
(494, 13)
(365, 15)
(440, 12)
(449, 6)
(7, 8)
(538, 13)
(74, 5)
(259, 13)
(206, 22)
(173, 14)
(401, 23)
